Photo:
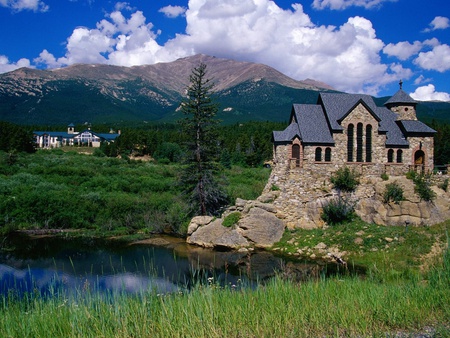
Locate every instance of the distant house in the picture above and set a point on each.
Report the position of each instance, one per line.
(88, 138)
(350, 129)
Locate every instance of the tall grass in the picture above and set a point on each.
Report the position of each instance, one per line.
(54, 189)
(338, 306)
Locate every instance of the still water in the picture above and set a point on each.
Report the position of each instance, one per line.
(43, 264)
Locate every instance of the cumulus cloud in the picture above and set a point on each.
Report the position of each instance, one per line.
(429, 93)
(7, 66)
(439, 22)
(173, 11)
(343, 4)
(21, 5)
(346, 57)
(436, 59)
(403, 50)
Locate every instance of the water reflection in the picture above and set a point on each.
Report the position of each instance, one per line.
(44, 265)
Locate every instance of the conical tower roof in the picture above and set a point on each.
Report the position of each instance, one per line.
(400, 98)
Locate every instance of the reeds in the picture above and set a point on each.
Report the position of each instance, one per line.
(337, 306)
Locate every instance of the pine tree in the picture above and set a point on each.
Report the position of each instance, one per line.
(200, 129)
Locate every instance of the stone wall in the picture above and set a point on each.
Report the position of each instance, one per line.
(405, 112)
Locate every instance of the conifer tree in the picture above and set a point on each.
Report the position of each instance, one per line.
(200, 130)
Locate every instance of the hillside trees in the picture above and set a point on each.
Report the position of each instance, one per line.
(199, 127)
(14, 138)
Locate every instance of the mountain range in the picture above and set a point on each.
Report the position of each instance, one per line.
(152, 93)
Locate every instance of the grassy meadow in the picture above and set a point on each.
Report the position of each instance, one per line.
(404, 292)
(53, 189)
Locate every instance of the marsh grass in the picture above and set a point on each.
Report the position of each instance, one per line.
(337, 306)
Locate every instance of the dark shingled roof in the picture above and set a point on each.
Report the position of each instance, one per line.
(400, 97)
(312, 124)
(394, 135)
(337, 106)
(288, 134)
(415, 127)
(315, 123)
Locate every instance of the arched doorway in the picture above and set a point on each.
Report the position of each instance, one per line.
(419, 157)
(419, 160)
(296, 154)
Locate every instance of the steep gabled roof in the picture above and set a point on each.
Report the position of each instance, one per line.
(337, 106)
(401, 97)
(312, 124)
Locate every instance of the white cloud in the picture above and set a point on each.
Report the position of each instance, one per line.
(439, 22)
(47, 59)
(343, 4)
(7, 66)
(421, 79)
(403, 50)
(20, 5)
(173, 11)
(429, 93)
(346, 57)
(436, 59)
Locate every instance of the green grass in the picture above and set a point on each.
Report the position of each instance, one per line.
(338, 306)
(67, 190)
(386, 251)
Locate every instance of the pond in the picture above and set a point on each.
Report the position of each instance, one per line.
(46, 264)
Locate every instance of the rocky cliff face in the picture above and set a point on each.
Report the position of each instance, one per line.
(303, 195)
(298, 203)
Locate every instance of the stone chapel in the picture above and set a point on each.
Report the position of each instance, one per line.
(350, 129)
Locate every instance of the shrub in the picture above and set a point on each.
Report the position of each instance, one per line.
(337, 211)
(384, 176)
(393, 193)
(231, 219)
(345, 179)
(444, 185)
(274, 187)
(411, 175)
(422, 188)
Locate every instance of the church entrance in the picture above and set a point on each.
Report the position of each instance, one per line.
(419, 160)
(296, 154)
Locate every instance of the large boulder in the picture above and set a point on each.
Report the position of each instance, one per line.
(215, 235)
(261, 227)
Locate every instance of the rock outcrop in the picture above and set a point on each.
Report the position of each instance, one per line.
(302, 197)
(258, 226)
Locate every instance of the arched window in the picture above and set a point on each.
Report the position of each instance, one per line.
(368, 143)
(390, 156)
(328, 154)
(318, 157)
(359, 142)
(350, 132)
(296, 154)
(399, 156)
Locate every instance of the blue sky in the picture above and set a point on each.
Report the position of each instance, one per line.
(357, 46)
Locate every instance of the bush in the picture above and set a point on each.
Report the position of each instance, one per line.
(411, 175)
(231, 219)
(384, 176)
(444, 185)
(168, 151)
(337, 211)
(393, 193)
(274, 187)
(345, 179)
(422, 188)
